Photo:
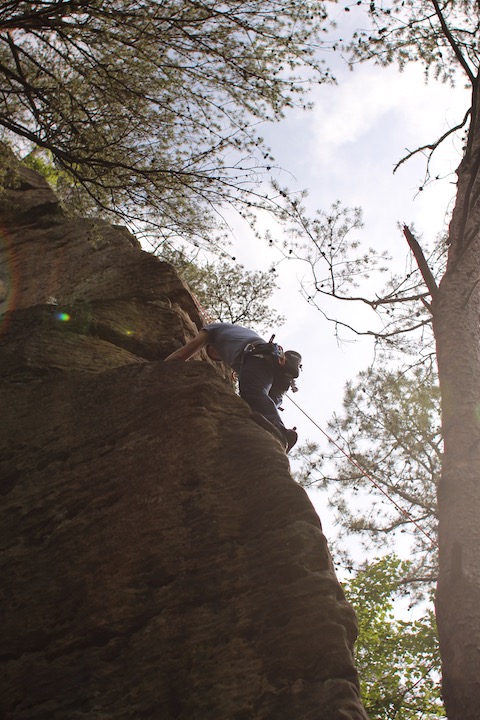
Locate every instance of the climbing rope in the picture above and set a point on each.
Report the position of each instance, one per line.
(366, 474)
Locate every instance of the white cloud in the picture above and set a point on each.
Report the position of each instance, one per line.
(371, 103)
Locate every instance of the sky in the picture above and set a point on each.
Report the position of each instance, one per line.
(345, 149)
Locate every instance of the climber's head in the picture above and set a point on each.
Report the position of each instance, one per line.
(293, 363)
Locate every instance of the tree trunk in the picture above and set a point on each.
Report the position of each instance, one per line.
(456, 326)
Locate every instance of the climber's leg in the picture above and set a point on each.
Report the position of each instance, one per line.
(255, 381)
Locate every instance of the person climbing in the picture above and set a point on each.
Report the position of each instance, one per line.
(264, 371)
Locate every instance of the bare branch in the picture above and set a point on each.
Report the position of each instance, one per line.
(436, 144)
(421, 262)
(453, 44)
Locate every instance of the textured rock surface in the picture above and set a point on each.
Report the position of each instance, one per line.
(157, 560)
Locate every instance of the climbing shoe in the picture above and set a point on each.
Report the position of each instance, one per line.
(287, 438)
(291, 439)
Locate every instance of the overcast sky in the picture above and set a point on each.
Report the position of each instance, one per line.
(346, 149)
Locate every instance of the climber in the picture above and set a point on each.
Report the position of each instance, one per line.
(264, 371)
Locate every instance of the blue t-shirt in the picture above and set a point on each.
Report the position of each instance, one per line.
(230, 341)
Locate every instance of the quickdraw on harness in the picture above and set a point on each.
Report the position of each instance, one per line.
(266, 350)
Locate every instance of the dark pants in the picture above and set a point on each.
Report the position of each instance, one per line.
(254, 383)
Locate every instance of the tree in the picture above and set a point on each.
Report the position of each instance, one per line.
(226, 291)
(398, 660)
(444, 38)
(391, 436)
(150, 107)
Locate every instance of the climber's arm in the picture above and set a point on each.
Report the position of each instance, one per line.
(191, 348)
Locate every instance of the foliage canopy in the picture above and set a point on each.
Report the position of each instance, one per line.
(398, 660)
(150, 107)
(441, 35)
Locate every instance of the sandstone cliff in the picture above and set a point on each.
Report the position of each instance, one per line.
(157, 559)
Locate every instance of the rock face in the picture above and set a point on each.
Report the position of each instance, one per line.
(157, 560)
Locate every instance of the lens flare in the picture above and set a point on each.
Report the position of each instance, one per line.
(63, 316)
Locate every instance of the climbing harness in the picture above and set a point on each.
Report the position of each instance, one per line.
(286, 364)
